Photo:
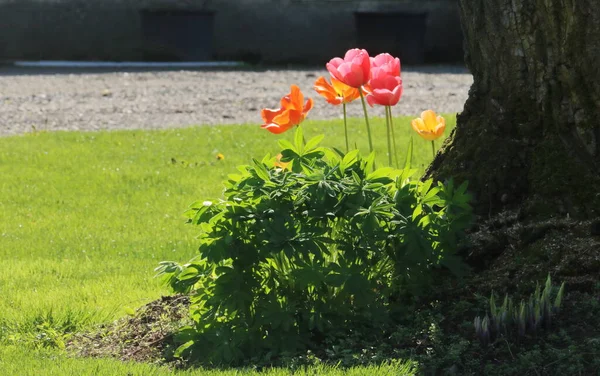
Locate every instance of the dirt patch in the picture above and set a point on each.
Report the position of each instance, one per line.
(146, 336)
(509, 254)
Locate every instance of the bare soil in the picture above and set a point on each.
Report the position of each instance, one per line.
(55, 99)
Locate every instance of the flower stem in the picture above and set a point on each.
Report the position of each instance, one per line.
(393, 135)
(433, 148)
(364, 104)
(345, 128)
(389, 141)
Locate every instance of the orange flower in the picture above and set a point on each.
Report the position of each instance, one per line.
(279, 163)
(429, 126)
(292, 112)
(337, 92)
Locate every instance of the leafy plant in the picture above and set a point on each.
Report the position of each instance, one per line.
(293, 254)
(527, 316)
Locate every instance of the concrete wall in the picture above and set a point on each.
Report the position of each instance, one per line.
(272, 31)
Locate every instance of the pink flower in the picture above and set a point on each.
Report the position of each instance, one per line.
(384, 89)
(387, 63)
(353, 70)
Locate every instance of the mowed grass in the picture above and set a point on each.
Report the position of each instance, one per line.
(49, 363)
(86, 217)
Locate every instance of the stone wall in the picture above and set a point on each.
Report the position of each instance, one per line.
(270, 31)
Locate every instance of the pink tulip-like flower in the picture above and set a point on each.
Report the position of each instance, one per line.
(384, 89)
(387, 63)
(353, 70)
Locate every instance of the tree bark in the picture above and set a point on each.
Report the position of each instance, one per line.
(529, 135)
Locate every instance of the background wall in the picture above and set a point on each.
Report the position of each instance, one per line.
(270, 31)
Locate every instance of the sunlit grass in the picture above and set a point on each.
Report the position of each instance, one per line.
(85, 217)
(51, 363)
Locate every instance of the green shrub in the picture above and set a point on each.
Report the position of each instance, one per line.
(291, 255)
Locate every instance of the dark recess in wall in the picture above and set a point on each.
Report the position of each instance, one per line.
(401, 34)
(177, 35)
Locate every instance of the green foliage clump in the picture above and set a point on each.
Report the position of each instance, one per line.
(325, 244)
(527, 316)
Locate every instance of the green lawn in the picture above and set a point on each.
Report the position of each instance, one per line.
(85, 218)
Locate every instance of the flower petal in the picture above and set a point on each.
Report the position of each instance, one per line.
(417, 124)
(429, 118)
(308, 106)
(274, 128)
(353, 53)
(282, 118)
(268, 114)
(328, 91)
(296, 98)
(333, 66)
(372, 100)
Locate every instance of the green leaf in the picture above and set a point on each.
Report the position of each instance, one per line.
(317, 176)
(313, 142)
(425, 186)
(285, 144)
(129, 311)
(313, 155)
(384, 172)
(370, 162)
(267, 158)
(335, 279)
(289, 155)
(181, 350)
(339, 152)
(299, 140)
(261, 170)
(405, 177)
(349, 159)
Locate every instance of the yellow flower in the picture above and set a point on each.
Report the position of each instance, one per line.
(429, 126)
(280, 164)
(220, 157)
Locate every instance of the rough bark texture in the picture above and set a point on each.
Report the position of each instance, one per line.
(528, 141)
(529, 135)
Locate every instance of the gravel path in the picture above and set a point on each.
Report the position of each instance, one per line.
(61, 100)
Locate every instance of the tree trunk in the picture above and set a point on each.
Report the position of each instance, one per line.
(529, 135)
(528, 140)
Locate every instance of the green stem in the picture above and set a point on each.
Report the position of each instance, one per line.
(389, 141)
(393, 135)
(364, 104)
(346, 128)
(433, 148)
